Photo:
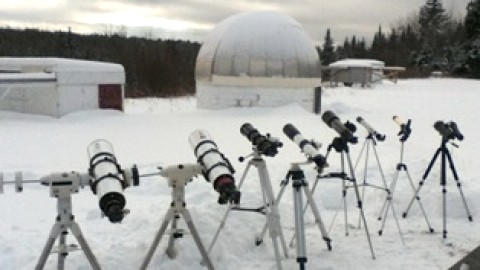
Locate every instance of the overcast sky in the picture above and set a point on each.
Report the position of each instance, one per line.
(192, 19)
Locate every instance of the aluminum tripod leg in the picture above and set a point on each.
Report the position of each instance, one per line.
(277, 201)
(389, 194)
(75, 229)
(271, 211)
(417, 190)
(188, 219)
(316, 213)
(158, 237)
(299, 227)
(54, 233)
(171, 251)
(169, 217)
(359, 204)
(58, 232)
(318, 219)
(270, 208)
(222, 223)
(344, 197)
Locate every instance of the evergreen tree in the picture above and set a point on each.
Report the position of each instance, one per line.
(432, 20)
(472, 20)
(327, 54)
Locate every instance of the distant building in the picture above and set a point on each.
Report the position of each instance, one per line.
(361, 71)
(57, 86)
(258, 59)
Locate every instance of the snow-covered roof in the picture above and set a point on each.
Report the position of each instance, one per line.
(258, 44)
(349, 62)
(27, 77)
(42, 64)
(66, 71)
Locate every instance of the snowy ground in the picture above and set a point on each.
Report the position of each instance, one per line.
(155, 131)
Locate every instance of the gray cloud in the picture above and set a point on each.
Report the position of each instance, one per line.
(343, 17)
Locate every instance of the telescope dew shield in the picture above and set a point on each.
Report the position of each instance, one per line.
(333, 122)
(107, 180)
(306, 146)
(216, 168)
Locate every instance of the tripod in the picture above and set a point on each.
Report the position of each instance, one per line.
(371, 142)
(269, 208)
(341, 146)
(61, 187)
(296, 174)
(401, 166)
(445, 156)
(178, 177)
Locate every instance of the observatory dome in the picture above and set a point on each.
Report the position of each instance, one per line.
(258, 44)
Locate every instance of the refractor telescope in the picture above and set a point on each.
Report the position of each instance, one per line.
(108, 180)
(345, 130)
(370, 129)
(266, 145)
(405, 129)
(449, 131)
(309, 148)
(216, 167)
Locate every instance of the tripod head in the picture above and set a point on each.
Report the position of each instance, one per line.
(405, 129)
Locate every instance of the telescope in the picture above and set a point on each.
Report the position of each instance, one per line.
(448, 130)
(108, 180)
(370, 129)
(309, 148)
(405, 129)
(216, 167)
(264, 144)
(345, 130)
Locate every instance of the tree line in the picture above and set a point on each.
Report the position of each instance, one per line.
(430, 40)
(156, 68)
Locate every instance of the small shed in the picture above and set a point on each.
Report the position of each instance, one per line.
(58, 86)
(361, 71)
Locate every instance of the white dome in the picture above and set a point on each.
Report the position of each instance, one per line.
(258, 44)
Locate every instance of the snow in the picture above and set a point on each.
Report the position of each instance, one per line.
(155, 132)
(366, 63)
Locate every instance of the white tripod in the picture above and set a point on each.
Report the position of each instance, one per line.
(178, 177)
(269, 208)
(62, 185)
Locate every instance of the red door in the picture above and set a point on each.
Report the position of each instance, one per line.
(110, 96)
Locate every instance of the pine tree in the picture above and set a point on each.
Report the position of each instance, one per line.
(472, 20)
(432, 20)
(327, 54)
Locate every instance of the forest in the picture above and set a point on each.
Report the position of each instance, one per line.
(429, 40)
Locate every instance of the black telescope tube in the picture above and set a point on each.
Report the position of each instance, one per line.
(443, 129)
(290, 131)
(456, 131)
(333, 122)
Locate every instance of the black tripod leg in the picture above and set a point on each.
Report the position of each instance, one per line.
(424, 177)
(459, 185)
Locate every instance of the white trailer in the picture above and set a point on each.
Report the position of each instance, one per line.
(58, 86)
